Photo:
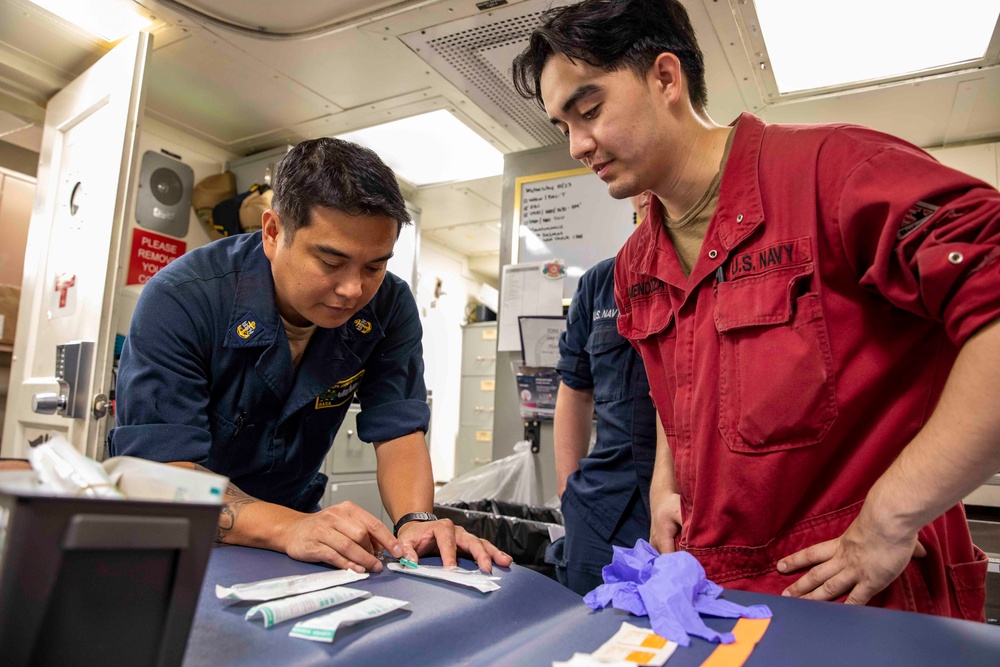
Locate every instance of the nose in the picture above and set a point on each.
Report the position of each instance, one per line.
(581, 144)
(349, 287)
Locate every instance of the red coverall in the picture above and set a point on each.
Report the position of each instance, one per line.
(841, 273)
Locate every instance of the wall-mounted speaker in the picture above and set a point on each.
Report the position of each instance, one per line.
(164, 201)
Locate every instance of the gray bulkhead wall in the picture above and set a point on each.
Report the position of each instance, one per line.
(508, 427)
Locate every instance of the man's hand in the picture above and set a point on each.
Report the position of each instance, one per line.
(859, 563)
(666, 522)
(419, 538)
(343, 535)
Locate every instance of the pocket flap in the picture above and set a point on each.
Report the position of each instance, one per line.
(649, 321)
(760, 300)
(605, 338)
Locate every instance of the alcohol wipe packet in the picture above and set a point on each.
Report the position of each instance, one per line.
(278, 611)
(323, 628)
(484, 583)
(637, 646)
(270, 589)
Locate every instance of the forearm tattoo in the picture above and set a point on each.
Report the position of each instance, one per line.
(232, 504)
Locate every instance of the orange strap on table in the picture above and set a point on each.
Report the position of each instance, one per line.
(748, 632)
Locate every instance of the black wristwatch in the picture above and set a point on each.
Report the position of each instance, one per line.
(412, 516)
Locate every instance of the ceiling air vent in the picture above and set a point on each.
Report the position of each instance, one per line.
(475, 54)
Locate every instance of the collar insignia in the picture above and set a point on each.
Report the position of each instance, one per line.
(246, 329)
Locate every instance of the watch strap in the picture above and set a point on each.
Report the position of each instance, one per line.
(412, 516)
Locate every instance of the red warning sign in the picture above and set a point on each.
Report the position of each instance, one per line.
(150, 253)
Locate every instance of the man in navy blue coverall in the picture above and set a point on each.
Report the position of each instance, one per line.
(243, 357)
(605, 494)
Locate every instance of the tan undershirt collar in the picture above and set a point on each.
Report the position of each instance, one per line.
(298, 339)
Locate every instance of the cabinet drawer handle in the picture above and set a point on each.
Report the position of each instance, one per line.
(480, 357)
(480, 408)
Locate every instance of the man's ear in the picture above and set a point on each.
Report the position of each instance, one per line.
(271, 232)
(668, 76)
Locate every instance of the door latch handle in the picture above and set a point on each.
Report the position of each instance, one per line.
(49, 403)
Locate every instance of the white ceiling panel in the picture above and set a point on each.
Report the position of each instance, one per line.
(918, 111)
(9, 124)
(28, 138)
(39, 54)
(203, 84)
(351, 68)
(983, 120)
(471, 239)
(476, 201)
(49, 39)
(288, 15)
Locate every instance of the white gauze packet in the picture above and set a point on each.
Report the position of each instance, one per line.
(483, 583)
(323, 628)
(636, 645)
(279, 611)
(269, 589)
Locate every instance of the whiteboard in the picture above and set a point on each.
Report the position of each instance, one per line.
(568, 216)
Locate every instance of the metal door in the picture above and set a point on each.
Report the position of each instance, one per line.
(73, 256)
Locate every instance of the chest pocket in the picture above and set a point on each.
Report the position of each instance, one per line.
(776, 385)
(612, 363)
(239, 446)
(651, 325)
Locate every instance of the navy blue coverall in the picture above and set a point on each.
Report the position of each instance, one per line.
(206, 375)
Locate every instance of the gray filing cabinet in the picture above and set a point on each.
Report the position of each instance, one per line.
(474, 444)
(351, 467)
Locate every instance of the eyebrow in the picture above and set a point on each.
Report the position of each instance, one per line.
(328, 250)
(578, 94)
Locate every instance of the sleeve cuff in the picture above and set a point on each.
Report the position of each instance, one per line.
(393, 420)
(164, 443)
(574, 381)
(975, 305)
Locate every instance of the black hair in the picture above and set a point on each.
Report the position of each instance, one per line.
(613, 35)
(334, 174)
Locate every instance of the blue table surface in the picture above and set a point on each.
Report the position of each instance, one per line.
(532, 620)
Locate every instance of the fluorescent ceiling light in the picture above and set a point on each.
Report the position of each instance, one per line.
(434, 147)
(108, 19)
(812, 45)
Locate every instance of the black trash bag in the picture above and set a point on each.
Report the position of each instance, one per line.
(519, 530)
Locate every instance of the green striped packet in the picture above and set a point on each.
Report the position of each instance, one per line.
(323, 628)
(277, 611)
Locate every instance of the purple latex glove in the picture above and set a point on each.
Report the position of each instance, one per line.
(671, 589)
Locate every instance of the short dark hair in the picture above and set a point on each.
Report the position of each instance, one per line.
(336, 174)
(613, 35)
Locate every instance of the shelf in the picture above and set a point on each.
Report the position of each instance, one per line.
(6, 347)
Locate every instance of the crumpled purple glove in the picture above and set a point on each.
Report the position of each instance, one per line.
(671, 589)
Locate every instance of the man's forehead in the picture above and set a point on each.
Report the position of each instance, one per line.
(560, 79)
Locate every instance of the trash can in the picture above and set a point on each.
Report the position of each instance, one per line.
(522, 531)
(98, 581)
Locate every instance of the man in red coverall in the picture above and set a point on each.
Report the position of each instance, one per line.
(816, 308)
